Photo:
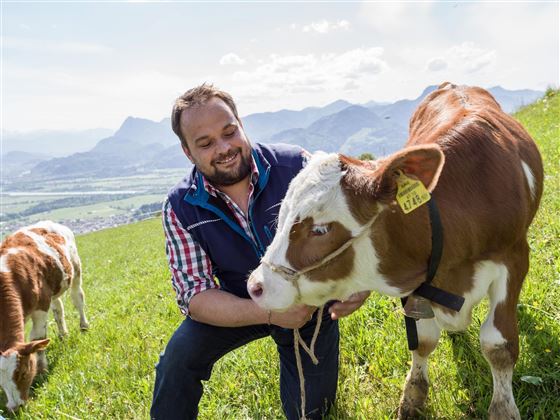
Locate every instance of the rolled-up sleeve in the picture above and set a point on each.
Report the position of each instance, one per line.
(191, 269)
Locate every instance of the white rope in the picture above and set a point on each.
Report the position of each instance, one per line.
(310, 351)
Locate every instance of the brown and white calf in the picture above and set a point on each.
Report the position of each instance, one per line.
(37, 265)
(485, 174)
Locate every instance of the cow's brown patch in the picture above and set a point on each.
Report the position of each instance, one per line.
(56, 242)
(305, 249)
(11, 315)
(25, 372)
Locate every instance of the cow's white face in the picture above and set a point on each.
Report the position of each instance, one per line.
(314, 221)
(8, 369)
(333, 200)
(18, 367)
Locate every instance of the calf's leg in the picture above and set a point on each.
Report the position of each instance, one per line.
(58, 312)
(416, 385)
(38, 332)
(499, 337)
(78, 297)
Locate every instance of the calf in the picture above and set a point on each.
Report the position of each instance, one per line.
(37, 264)
(341, 230)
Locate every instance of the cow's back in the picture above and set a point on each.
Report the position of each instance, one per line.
(491, 183)
(39, 261)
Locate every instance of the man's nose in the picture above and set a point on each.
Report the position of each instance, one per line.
(223, 146)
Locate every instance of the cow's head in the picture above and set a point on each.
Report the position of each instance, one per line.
(18, 367)
(332, 206)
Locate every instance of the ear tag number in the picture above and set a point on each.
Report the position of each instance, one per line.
(411, 193)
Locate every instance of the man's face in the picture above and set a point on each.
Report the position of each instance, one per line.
(217, 143)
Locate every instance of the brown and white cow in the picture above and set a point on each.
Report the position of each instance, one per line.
(37, 265)
(485, 174)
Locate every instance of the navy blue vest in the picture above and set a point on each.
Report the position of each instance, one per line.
(210, 222)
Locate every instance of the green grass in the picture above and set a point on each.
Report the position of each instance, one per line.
(108, 371)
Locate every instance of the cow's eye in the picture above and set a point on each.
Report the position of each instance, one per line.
(319, 230)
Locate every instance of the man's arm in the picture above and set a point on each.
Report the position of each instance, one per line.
(223, 309)
(198, 295)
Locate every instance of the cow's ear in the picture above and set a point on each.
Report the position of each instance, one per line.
(418, 162)
(32, 347)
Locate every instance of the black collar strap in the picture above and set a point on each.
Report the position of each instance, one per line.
(426, 290)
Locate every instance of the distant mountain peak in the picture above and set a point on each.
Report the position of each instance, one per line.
(428, 90)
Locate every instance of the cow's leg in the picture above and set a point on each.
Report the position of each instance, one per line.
(499, 337)
(38, 332)
(78, 297)
(58, 312)
(416, 386)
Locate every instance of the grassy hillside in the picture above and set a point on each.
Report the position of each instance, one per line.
(108, 372)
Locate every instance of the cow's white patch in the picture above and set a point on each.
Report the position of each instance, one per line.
(43, 247)
(4, 267)
(69, 247)
(486, 272)
(489, 334)
(8, 365)
(530, 178)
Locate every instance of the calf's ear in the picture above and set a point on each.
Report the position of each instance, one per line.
(32, 347)
(423, 162)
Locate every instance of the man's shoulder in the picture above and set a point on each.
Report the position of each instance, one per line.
(183, 186)
(281, 154)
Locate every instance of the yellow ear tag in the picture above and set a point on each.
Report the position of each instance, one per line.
(411, 193)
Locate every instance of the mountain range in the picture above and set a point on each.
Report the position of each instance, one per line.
(142, 145)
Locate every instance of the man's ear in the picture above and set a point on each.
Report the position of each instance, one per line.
(36, 345)
(424, 163)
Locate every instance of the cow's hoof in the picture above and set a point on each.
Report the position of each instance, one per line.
(503, 410)
(84, 327)
(408, 411)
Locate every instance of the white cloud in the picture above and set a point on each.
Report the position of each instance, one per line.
(281, 76)
(437, 64)
(470, 58)
(324, 26)
(231, 58)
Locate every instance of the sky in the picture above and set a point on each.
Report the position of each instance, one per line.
(76, 65)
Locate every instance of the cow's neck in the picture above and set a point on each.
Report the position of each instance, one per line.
(11, 315)
(403, 243)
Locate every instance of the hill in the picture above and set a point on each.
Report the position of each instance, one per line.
(139, 146)
(109, 371)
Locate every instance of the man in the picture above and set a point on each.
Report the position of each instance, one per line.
(218, 222)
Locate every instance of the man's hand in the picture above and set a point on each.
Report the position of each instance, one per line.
(346, 307)
(295, 317)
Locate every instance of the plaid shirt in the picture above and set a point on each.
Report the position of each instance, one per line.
(190, 266)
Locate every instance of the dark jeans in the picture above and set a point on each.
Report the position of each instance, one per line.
(195, 347)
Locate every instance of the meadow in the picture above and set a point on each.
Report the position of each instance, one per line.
(108, 372)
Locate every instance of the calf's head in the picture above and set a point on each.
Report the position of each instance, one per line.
(18, 367)
(323, 248)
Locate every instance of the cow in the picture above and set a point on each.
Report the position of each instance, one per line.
(342, 230)
(38, 264)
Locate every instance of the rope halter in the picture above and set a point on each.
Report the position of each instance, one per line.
(293, 276)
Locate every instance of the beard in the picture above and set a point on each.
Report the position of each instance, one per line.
(230, 176)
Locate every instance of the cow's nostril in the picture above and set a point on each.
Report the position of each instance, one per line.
(256, 289)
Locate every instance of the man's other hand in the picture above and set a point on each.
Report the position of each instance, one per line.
(346, 307)
(295, 317)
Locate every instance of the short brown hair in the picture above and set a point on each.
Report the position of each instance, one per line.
(196, 96)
